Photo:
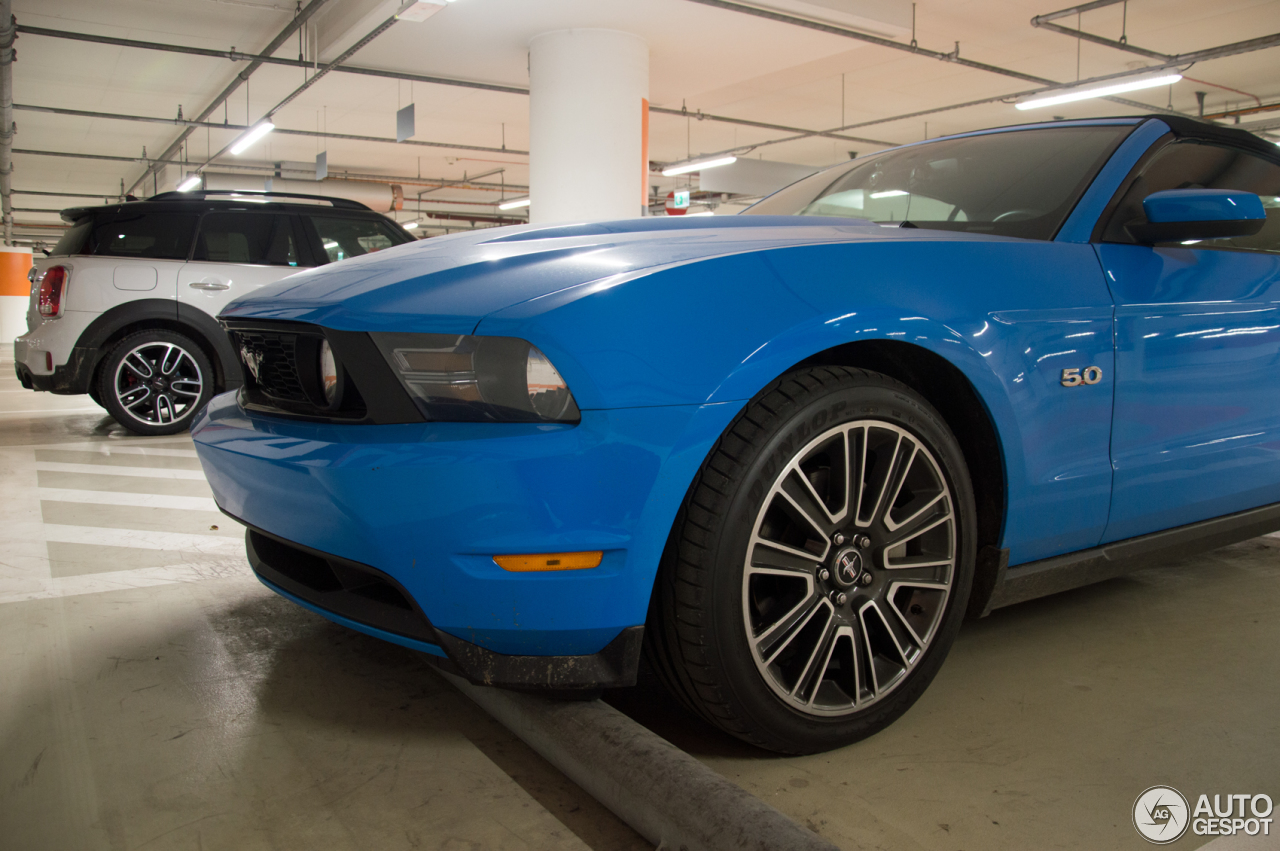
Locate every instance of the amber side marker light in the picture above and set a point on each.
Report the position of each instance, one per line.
(549, 561)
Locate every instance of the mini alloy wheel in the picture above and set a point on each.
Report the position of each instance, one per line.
(153, 382)
(820, 566)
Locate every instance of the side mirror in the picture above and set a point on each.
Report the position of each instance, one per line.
(1177, 215)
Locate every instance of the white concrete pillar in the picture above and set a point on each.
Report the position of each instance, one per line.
(587, 89)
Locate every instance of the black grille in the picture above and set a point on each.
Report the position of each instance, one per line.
(280, 361)
(270, 360)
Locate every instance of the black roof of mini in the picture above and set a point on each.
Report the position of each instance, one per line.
(211, 199)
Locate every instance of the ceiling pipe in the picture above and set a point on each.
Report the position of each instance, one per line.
(1168, 60)
(1234, 49)
(213, 125)
(270, 170)
(323, 71)
(953, 56)
(452, 183)
(111, 194)
(263, 59)
(7, 56)
(405, 77)
(283, 36)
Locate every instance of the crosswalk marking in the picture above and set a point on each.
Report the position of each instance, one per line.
(98, 469)
(144, 540)
(141, 500)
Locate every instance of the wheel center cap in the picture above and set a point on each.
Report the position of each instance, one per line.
(848, 567)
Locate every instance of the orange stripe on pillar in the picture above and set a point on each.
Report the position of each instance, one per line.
(14, 266)
(644, 155)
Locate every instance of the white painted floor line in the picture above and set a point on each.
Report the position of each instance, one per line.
(104, 447)
(141, 500)
(144, 540)
(107, 470)
(53, 412)
(97, 583)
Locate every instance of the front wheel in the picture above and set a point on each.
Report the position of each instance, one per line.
(153, 382)
(819, 569)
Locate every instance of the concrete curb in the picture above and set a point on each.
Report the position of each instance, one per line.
(667, 796)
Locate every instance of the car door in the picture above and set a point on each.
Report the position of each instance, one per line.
(1196, 430)
(237, 252)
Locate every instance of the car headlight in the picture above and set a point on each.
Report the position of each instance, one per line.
(460, 378)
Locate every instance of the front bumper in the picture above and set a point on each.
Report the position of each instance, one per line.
(429, 505)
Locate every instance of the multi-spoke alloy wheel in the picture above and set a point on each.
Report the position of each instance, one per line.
(849, 567)
(153, 382)
(820, 566)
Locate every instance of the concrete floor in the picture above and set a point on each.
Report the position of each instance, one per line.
(156, 696)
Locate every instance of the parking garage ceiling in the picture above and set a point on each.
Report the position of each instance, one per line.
(707, 58)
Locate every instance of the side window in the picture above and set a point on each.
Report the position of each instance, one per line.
(342, 237)
(1196, 165)
(263, 239)
(155, 235)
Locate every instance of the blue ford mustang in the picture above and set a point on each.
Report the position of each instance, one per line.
(782, 454)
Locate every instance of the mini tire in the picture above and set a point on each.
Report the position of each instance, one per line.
(154, 382)
(820, 566)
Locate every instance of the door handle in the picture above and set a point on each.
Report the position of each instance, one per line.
(209, 284)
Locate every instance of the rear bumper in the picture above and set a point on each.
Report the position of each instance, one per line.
(69, 379)
(429, 505)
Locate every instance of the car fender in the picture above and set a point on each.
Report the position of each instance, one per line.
(1008, 314)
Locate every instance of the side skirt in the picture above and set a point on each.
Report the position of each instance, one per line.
(1074, 570)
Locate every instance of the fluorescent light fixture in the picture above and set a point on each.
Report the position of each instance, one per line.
(192, 182)
(1100, 91)
(252, 135)
(890, 193)
(410, 226)
(329, 244)
(513, 203)
(697, 165)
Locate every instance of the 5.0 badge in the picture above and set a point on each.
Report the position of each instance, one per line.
(1076, 377)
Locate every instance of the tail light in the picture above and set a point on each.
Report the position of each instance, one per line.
(52, 285)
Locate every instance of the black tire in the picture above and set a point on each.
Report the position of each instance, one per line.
(709, 629)
(154, 382)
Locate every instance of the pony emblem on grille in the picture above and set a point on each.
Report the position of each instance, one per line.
(252, 359)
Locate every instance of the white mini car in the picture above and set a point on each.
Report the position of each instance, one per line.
(123, 307)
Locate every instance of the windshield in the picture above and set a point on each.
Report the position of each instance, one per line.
(1020, 183)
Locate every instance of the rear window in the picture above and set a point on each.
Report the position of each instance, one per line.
(73, 239)
(154, 235)
(350, 237)
(264, 239)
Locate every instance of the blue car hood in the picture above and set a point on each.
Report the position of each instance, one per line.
(448, 284)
